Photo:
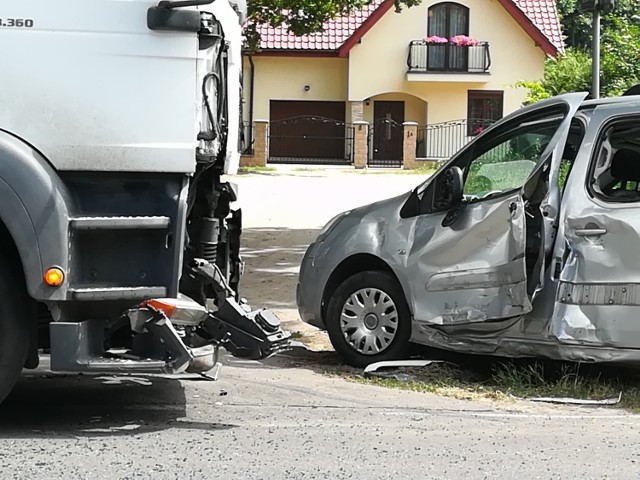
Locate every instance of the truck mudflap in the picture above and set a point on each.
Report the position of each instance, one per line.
(243, 333)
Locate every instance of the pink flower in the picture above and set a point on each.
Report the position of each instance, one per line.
(464, 41)
(436, 39)
(478, 131)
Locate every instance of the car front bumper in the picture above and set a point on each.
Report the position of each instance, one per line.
(310, 288)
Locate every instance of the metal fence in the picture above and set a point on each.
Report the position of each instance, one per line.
(428, 57)
(441, 140)
(311, 140)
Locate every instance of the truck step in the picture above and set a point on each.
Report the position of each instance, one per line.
(120, 223)
(118, 293)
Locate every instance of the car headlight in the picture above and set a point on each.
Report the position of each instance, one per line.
(331, 224)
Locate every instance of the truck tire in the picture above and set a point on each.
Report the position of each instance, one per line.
(14, 333)
(368, 319)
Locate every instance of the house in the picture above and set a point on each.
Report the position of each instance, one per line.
(450, 67)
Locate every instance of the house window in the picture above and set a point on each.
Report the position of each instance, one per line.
(447, 20)
(483, 108)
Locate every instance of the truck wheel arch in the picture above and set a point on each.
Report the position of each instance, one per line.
(34, 210)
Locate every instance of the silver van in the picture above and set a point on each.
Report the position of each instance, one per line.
(526, 243)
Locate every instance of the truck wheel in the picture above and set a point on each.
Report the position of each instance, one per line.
(368, 319)
(14, 337)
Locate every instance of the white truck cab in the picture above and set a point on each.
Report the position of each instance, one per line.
(118, 121)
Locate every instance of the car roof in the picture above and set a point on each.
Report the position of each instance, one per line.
(610, 101)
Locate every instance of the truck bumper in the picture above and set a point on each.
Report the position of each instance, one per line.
(164, 334)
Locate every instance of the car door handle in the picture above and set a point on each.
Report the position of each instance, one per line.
(590, 232)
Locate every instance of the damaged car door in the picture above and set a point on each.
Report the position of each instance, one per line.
(480, 232)
(598, 301)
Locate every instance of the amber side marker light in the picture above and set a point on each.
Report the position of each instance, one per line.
(54, 277)
(156, 304)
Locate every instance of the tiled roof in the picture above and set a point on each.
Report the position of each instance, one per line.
(541, 14)
(336, 32)
(544, 16)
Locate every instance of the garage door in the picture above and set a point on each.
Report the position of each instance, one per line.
(309, 132)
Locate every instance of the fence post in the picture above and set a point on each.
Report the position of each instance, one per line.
(261, 142)
(409, 145)
(260, 146)
(360, 140)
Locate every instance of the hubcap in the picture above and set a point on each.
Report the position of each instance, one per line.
(369, 321)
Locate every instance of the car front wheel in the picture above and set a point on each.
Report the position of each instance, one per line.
(368, 319)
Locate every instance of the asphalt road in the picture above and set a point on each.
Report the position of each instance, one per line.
(286, 418)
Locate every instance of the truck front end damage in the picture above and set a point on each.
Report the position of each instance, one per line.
(172, 335)
(131, 210)
(184, 333)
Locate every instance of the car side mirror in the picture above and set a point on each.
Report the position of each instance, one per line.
(451, 189)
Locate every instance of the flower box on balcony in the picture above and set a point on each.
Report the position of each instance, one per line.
(459, 54)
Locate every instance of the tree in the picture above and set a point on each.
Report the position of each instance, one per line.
(619, 56)
(576, 22)
(301, 16)
(570, 72)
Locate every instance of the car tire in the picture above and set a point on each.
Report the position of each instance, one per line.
(368, 319)
(14, 333)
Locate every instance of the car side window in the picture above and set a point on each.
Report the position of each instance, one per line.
(504, 161)
(615, 170)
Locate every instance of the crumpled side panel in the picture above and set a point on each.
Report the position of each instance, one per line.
(598, 300)
(474, 270)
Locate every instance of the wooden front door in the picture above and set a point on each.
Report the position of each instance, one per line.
(388, 117)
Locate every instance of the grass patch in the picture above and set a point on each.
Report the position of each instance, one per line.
(307, 169)
(421, 170)
(427, 169)
(256, 169)
(297, 335)
(508, 380)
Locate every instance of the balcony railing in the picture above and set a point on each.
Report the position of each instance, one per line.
(447, 58)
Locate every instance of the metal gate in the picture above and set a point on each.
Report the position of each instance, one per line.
(440, 141)
(311, 140)
(385, 143)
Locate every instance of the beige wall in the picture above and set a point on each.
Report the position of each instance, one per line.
(377, 69)
(415, 109)
(513, 53)
(284, 78)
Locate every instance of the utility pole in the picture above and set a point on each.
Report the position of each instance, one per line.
(595, 53)
(598, 7)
